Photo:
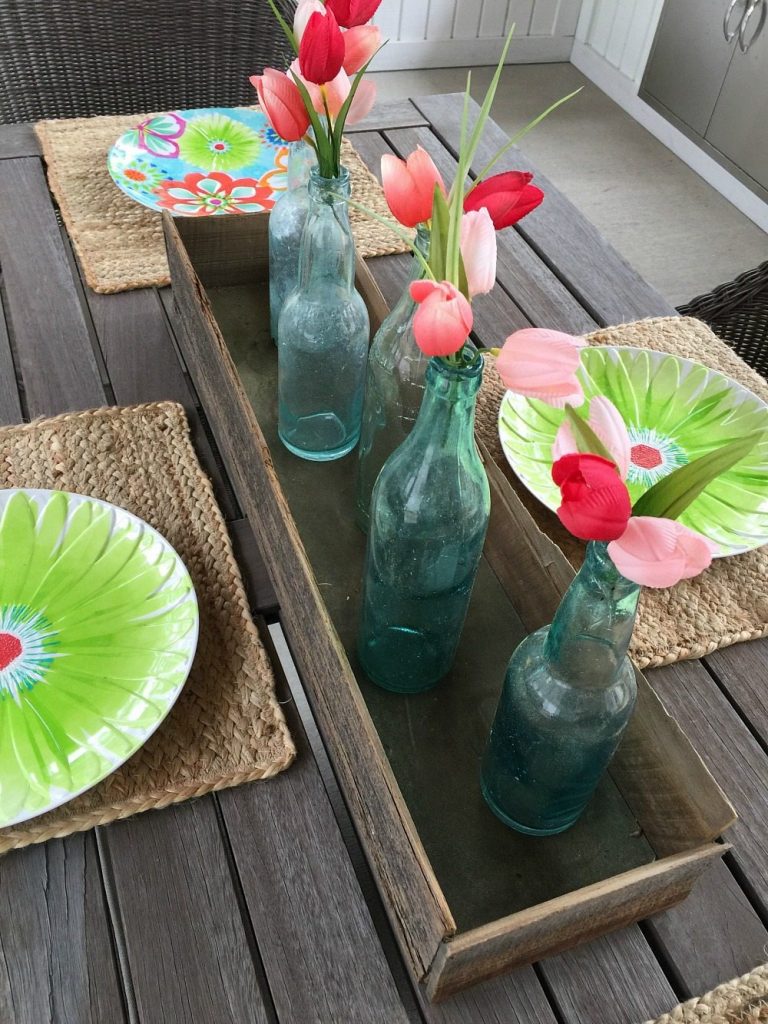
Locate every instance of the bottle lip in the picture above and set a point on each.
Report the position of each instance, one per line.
(449, 371)
(318, 179)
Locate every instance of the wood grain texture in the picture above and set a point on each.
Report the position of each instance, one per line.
(517, 998)
(53, 345)
(188, 951)
(616, 979)
(18, 140)
(566, 921)
(373, 797)
(742, 671)
(10, 404)
(261, 593)
(392, 114)
(730, 752)
(318, 945)
(143, 366)
(56, 962)
(714, 934)
(603, 282)
(538, 296)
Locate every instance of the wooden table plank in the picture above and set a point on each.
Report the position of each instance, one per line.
(604, 283)
(392, 114)
(56, 961)
(539, 297)
(730, 752)
(320, 951)
(18, 140)
(714, 935)
(517, 998)
(10, 403)
(55, 356)
(143, 366)
(741, 671)
(261, 593)
(615, 978)
(189, 952)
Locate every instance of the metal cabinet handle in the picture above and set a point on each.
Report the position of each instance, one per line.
(729, 34)
(743, 44)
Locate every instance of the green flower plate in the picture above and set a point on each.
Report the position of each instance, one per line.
(98, 629)
(675, 410)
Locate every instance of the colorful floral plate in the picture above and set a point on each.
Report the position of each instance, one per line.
(98, 629)
(201, 162)
(675, 411)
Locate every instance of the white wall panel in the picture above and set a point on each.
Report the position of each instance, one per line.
(452, 33)
(620, 31)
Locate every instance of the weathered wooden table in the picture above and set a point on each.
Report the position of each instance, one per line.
(256, 904)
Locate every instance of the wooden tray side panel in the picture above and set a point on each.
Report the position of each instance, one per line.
(390, 839)
(660, 775)
(487, 952)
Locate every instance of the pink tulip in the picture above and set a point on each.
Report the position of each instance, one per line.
(336, 93)
(409, 186)
(360, 44)
(542, 364)
(281, 101)
(304, 11)
(660, 552)
(444, 318)
(605, 419)
(478, 251)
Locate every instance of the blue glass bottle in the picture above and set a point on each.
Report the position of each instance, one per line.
(394, 389)
(429, 516)
(323, 333)
(568, 695)
(286, 224)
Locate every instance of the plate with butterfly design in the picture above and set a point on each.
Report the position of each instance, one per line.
(98, 630)
(203, 162)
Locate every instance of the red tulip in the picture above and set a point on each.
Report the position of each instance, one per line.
(595, 500)
(360, 44)
(321, 50)
(351, 13)
(333, 95)
(281, 101)
(507, 197)
(409, 186)
(444, 318)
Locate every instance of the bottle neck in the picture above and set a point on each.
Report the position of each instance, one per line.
(447, 415)
(405, 306)
(327, 256)
(590, 634)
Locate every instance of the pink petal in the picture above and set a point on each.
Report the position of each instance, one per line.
(657, 552)
(564, 443)
(363, 102)
(304, 11)
(478, 251)
(542, 364)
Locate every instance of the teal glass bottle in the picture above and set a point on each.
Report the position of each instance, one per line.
(394, 389)
(429, 515)
(323, 333)
(568, 695)
(286, 224)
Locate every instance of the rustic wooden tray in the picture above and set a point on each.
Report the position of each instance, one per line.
(468, 898)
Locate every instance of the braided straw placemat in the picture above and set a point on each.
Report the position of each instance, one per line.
(119, 242)
(226, 727)
(741, 1001)
(724, 605)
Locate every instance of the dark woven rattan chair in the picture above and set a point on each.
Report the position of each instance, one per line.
(738, 313)
(74, 58)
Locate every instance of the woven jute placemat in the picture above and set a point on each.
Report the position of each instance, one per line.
(119, 242)
(724, 605)
(741, 1001)
(226, 727)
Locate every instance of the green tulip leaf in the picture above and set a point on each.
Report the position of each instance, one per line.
(672, 495)
(587, 441)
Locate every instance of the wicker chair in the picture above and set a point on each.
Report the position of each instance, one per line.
(738, 313)
(74, 58)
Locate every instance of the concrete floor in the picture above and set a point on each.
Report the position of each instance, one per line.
(681, 234)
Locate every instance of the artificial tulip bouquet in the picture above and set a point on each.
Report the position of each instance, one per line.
(316, 97)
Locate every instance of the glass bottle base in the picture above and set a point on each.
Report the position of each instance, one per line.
(516, 825)
(389, 660)
(327, 455)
